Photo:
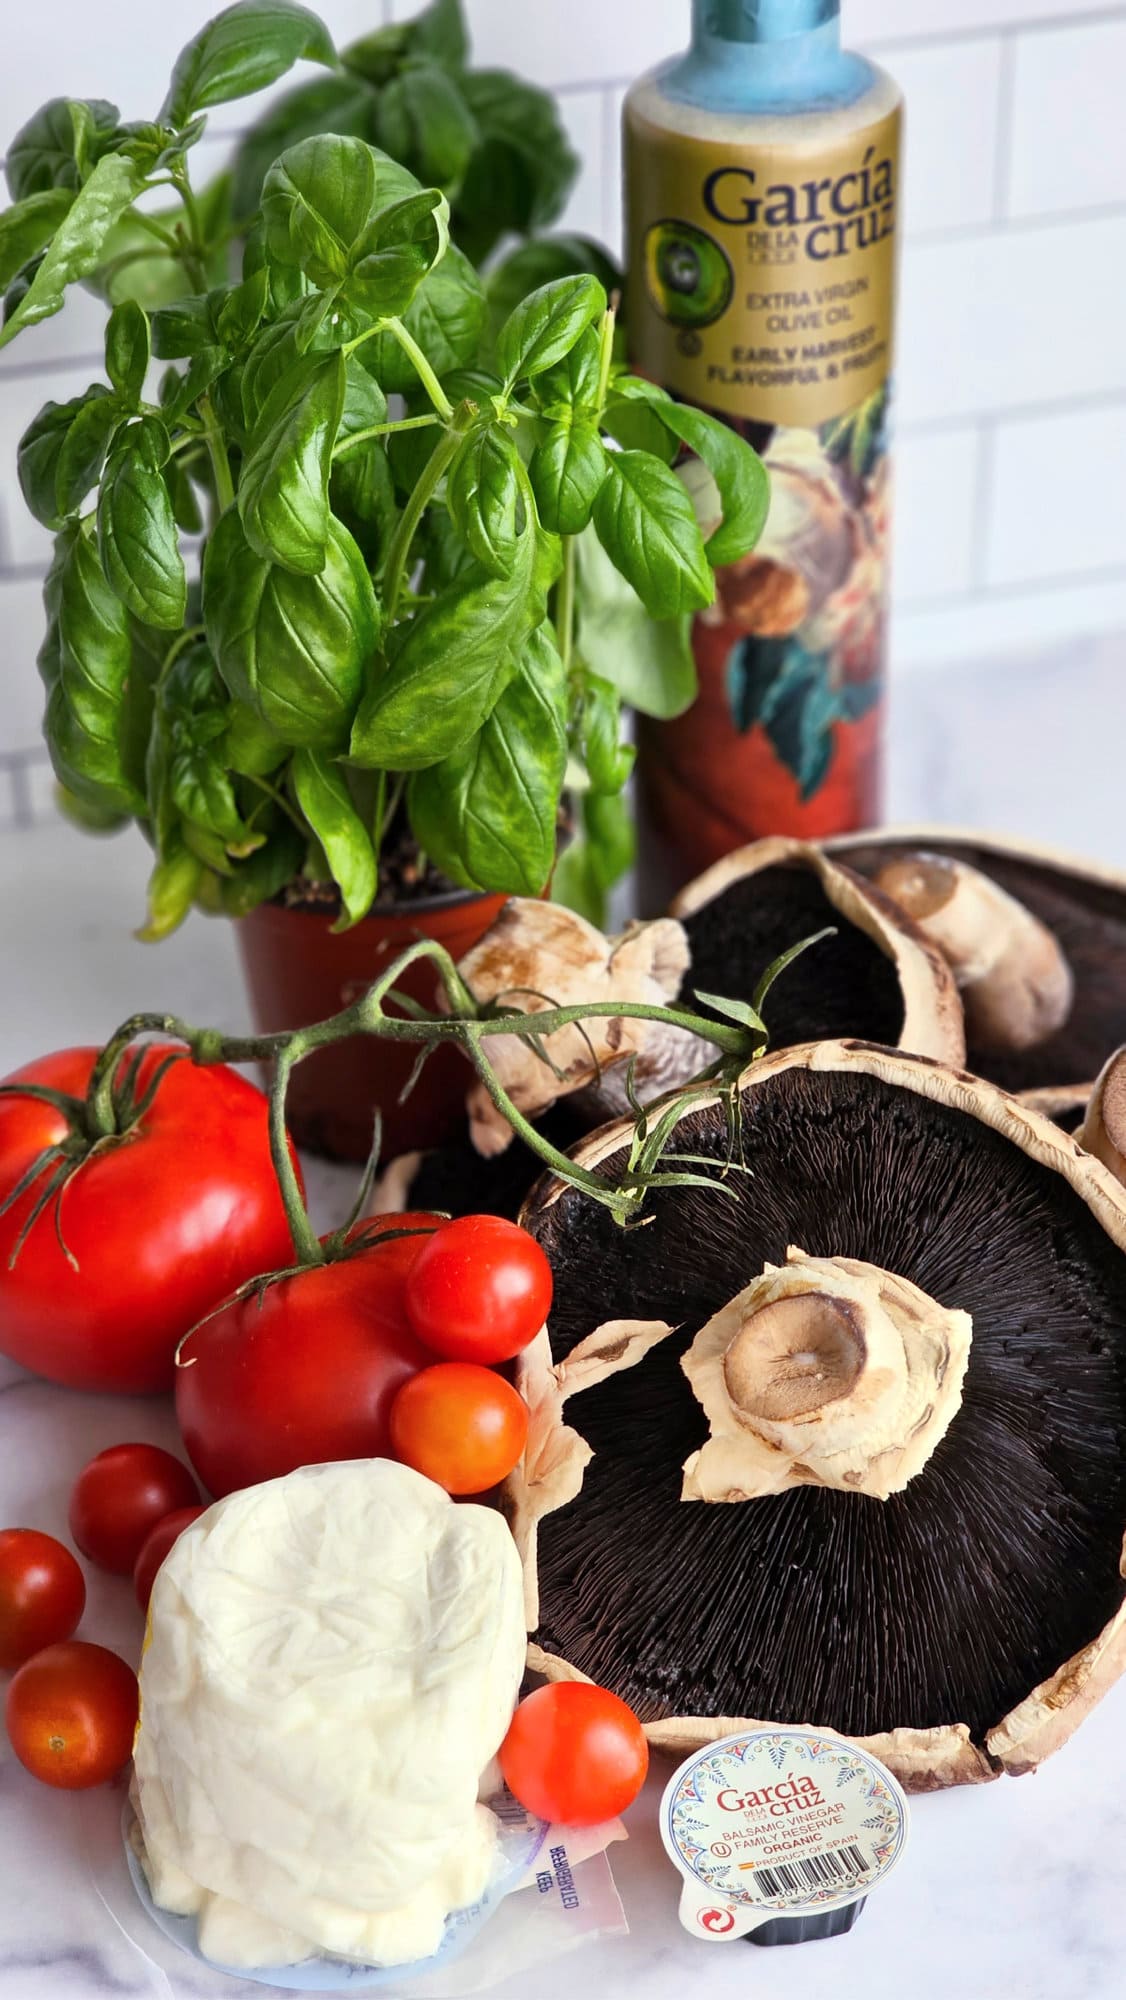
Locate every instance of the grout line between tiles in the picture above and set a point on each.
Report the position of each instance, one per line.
(611, 168)
(997, 593)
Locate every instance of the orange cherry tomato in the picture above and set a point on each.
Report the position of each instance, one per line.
(574, 1753)
(156, 1546)
(42, 1594)
(71, 1713)
(463, 1426)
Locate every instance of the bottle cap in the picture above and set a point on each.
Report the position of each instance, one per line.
(783, 1832)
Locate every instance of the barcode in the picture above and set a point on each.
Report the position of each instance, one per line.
(508, 1810)
(818, 1871)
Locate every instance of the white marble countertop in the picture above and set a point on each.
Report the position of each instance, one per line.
(1009, 1892)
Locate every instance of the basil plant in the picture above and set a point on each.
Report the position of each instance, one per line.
(376, 545)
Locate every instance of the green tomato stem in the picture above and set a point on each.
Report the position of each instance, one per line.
(306, 1247)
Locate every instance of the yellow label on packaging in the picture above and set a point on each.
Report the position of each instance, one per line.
(762, 278)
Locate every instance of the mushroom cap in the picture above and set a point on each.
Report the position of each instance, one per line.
(878, 977)
(964, 1625)
(1083, 904)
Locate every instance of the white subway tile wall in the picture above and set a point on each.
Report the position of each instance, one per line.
(1012, 373)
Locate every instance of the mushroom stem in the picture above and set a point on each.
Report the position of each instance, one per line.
(824, 1372)
(1103, 1131)
(1017, 987)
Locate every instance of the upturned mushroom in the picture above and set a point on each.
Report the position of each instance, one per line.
(538, 956)
(1083, 908)
(905, 1498)
(878, 977)
(1103, 1131)
(1016, 985)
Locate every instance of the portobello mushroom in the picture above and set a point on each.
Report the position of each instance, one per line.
(878, 977)
(1083, 908)
(1103, 1130)
(962, 1625)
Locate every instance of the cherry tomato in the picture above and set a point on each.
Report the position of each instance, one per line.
(71, 1713)
(574, 1753)
(308, 1375)
(120, 1496)
(163, 1224)
(461, 1425)
(155, 1547)
(479, 1289)
(42, 1594)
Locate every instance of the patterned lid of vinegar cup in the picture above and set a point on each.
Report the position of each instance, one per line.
(779, 1824)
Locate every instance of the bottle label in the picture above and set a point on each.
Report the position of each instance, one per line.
(762, 288)
(779, 1822)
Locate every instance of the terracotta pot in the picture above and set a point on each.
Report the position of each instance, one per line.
(298, 971)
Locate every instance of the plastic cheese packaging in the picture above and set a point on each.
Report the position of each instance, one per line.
(780, 1835)
(331, 1664)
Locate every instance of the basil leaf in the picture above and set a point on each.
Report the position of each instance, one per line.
(85, 446)
(396, 251)
(567, 469)
(450, 670)
(185, 328)
(645, 522)
(423, 117)
(599, 855)
(137, 539)
(293, 648)
(127, 350)
(340, 104)
(523, 170)
(738, 471)
(487, 814)
(648, 660)
(485, 498)
(243, 49)
(572, 384)
(76, 245)
(185, 505)
(320, 196)
(259, 879)
(637, 426)
(440, 31)
(172, 889)
(324, 798)
(445, 317)
(241, 312)
(548, 257)
(186, 775)
(43, 153)
(283, 490)
(98, 709)
(608, 760)
(27, 227)
(40, 450)
(545, 325)
(250, 746)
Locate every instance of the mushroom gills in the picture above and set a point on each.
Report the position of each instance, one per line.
(1016, 985)
(843, 986)
(951, 1600)
(823, 1372)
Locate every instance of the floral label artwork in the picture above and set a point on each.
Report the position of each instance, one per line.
(779, 1822)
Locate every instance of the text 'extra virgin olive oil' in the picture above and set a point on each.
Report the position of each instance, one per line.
(763, 208)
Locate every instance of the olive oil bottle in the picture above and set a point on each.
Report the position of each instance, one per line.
(762, 197)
